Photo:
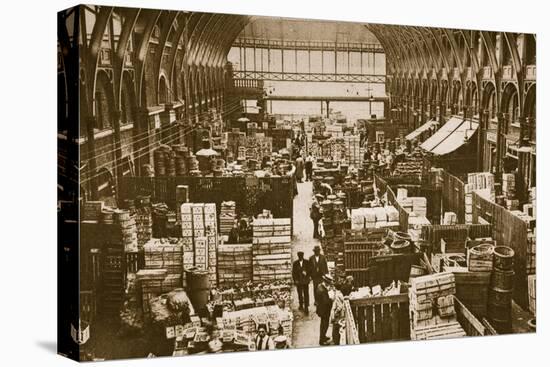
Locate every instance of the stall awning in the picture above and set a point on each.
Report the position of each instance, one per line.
(416, 133)
(450, 136)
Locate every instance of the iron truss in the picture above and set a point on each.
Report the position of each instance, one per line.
(308, 45)
(309, 77)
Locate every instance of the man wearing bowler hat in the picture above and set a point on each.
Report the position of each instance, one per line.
(318, 267)
(324, 306)
(300, 275)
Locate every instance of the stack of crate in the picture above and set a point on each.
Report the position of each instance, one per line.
(429, 292)
(509, 191)
(91, 210)
(227, 217)
(419, 205)
(234, 264)
(113, 280)
(188, 256)
(163, 254)
(199, 222)
(353, 150)
(271, 250)
(144, 225)
(151, 284)
(482, 183)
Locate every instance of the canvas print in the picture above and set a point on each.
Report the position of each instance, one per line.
(237, 183)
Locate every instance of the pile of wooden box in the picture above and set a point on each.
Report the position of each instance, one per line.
(411, 166)
(248, 319)
(91, 210)
(151, 285)
(144, 225)
(482, 183)
(271, 250)
(377, 217)
(227, 217)
(509, 185)
(199, 224)
(163, 254)
(234, 264)
(449, 218)
(431, 293)
(353, 154)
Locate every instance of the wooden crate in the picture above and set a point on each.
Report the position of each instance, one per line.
(472, 289)
(381, 318)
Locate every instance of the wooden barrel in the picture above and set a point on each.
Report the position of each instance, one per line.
(480, 257)
(499, 296)
(503, 258)
(402, 236)
(198, 287)
(501, 326)
(401, 246)
(503, 279)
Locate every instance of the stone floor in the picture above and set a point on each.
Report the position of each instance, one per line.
(306, 328)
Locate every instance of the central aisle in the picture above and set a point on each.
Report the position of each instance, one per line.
(306, 328)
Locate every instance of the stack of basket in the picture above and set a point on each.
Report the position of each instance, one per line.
(128, 228)
(502, 287)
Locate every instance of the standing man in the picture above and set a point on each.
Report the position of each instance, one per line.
(309, 167)
(319, 267)
(324, 307)
(299, 168)
(300, 275)
(316, 214)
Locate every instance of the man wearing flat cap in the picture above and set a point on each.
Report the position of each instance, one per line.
(300, 275)
(318, 267)
(324, 306)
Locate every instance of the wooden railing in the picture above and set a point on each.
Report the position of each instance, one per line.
(381, 318)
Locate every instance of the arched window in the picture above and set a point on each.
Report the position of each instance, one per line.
(127, 101)
(513, 108)
(163, 91)
(103, 102)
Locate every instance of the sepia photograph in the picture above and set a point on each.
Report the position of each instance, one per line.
(243, 183)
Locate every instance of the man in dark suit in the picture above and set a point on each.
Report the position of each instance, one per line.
(300, 275)
(318, 268)
(324, 306)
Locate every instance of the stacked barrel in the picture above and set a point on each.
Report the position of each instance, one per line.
(502, 287)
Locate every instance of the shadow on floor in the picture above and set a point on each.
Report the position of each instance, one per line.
(49, 346)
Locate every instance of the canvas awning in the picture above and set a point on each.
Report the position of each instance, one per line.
(451, 136)
(416, 133)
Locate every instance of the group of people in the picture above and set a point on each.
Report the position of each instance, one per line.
(304, 165)
(329, 297)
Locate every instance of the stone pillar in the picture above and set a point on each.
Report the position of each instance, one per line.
(502, 118)
(142, 140)
(91, 151)
(116, 115)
